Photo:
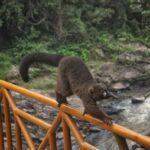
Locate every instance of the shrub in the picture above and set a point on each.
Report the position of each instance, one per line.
(5, 65)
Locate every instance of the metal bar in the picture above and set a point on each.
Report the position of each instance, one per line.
(7, 123)
(25, 133)
(51, 135)
(32, 119)
(18, 135)
(66, 135)
(1, 124)
(121, 141)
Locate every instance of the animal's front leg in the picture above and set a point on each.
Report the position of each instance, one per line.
(92, 109)
(60, 99)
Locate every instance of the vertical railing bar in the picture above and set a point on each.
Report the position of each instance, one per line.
(18, 135)
(52, 141)
(19, 121)
(66, 136)
(25, 133)
(121, 141)
(1, 124)
(50, 135)
(73, 127)
(7, 123)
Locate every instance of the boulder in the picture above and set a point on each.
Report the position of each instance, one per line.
(120, 85)
(132, 68)
(136, 99)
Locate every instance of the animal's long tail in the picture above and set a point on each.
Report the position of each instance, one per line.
(45, 58)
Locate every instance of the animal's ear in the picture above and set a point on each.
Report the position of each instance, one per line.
(91, 90)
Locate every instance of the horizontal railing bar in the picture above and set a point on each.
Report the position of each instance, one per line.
(43, 99)
(32, 119)
(115, 128)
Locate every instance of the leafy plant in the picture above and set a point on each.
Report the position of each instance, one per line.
(74, 50)
(115, 44)
(5, 65)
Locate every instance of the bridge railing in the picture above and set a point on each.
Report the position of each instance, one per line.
(63, 117)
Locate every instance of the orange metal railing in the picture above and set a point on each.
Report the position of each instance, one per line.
(64, 116)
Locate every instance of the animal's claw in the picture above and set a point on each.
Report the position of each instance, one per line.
(108, 120)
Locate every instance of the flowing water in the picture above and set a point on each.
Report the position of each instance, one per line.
(134, 116)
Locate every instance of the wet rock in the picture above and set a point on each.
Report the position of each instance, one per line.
(120, 85)
(132, 57)
(94, 129)
(131, 67)
(112, 110)
(137, 147)
(136, 100)
(59, 135)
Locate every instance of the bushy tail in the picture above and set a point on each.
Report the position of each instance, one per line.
(45, 58)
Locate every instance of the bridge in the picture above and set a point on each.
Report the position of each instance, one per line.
(63, 117)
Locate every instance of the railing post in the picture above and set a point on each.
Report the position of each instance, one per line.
(66, 136)
(121, 141)
(1, 124)
(18, 135)
(7, 124)
(52, 136)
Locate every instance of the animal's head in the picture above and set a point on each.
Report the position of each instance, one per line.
(99, 91)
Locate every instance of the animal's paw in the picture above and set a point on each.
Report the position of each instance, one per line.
(108, 120)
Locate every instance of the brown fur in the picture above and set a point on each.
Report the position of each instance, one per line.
(73, 78)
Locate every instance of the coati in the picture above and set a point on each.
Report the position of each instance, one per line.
(73, 77)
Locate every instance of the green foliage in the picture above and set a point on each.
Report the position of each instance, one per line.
(69, 19)
(79, 50)
(99, 14)
(67, 27)
(12, 16)
(115, 44)
(24, 46)
(47, 44)
(5, 64)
